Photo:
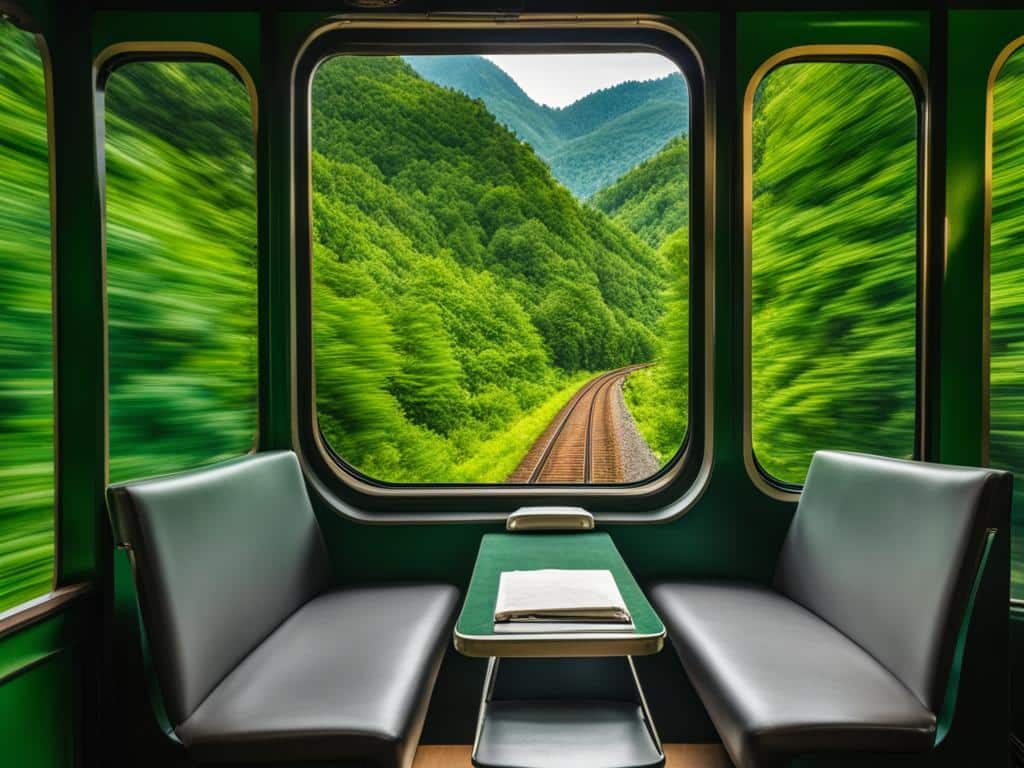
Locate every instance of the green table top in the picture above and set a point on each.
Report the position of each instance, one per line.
(474, 632)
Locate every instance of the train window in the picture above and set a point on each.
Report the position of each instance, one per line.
(500, 265)
(26, 354)
(833, 264)
(181, 266)
(1006, 293)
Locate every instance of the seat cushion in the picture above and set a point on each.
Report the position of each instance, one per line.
(222, 556)
(779, 681)
(347, 677)
(886, 551)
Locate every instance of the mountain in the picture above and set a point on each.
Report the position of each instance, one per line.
(587, 144)
(651, 199)
(597, 108)
(480, 79)
(596, 159)
(458, 286)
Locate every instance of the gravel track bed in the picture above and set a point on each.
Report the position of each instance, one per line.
(638, 460)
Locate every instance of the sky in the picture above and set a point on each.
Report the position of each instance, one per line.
(559, 79)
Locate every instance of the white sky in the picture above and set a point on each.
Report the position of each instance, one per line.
(559, 79)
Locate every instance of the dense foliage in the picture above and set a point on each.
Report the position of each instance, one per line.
(457, 285)
(658, 397)
(26, 350)
(1006, 397)
(589, 143)
(834, 264)
(652, 199)
(181, 267)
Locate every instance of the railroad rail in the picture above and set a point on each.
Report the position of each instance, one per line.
(580, 445)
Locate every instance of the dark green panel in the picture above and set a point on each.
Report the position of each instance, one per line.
(40, 692)
(38, 715)
(976, 39)
(81, 425)
(762, 35)
(236, 33)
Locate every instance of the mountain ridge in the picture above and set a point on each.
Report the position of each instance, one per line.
(587, 144)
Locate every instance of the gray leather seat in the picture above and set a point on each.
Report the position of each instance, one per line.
(851, 649)
(256, 658)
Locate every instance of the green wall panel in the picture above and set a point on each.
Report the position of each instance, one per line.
(37, 715)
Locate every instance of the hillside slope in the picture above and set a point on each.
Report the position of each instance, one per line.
(458, 285)
(651, 199)
(589, 143)
(597, 159)
(480, 79)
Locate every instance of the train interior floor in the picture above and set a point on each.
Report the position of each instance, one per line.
(677, 756)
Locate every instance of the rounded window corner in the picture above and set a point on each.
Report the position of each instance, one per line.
(767, 484)
(116, 55)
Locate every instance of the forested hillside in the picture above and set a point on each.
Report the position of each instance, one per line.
(537, 124)
(652, 199)
(589, 143)
(458, 285)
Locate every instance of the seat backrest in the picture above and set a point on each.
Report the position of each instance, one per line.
(222, 556)
(887, 551)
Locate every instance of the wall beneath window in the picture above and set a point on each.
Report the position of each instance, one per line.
(41, 695)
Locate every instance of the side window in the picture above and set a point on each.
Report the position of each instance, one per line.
(181, 266)
(26, 324)
(500, 266)
(1006, 294)
(833, 264)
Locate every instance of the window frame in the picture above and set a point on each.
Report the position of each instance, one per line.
(678, 485)
(914, 75)
(106, 63)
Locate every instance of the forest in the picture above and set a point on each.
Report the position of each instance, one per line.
(488, 290)
(467, 282)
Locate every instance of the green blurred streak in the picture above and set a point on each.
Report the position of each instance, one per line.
(1006, 446)
(181, 267)
(834, 264)
(26, 325)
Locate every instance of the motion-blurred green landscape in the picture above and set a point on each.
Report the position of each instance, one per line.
(477, 257)
(1006, 295)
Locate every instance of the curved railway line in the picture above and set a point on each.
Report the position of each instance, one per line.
(580, 445)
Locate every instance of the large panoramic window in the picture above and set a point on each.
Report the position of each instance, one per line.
(1006, 393)
(181, 267)
(26, 328)
(833, 264)
(500, 266)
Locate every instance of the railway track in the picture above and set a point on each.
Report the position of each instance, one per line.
(580, 445)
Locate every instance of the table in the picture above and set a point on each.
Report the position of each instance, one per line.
(568, 700)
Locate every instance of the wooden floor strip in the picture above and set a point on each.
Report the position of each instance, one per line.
(678, 756)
